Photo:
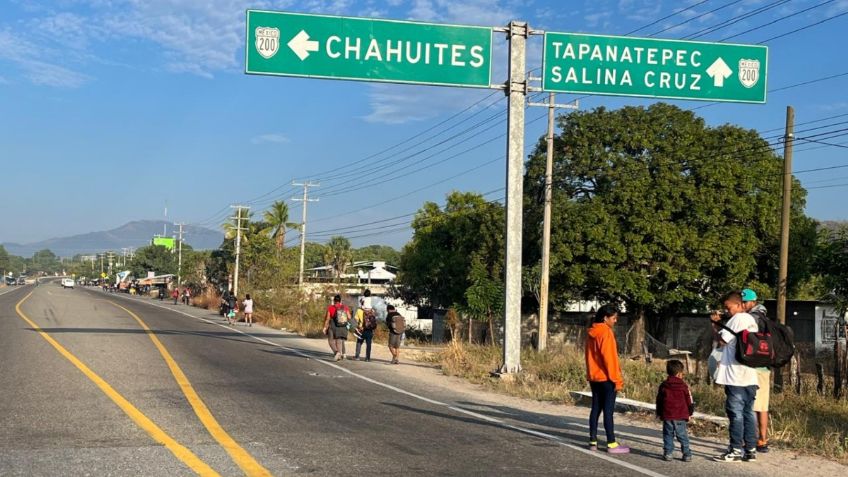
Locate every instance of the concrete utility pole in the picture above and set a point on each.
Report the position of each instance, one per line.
(180, 255)
(111, 256)
(788, 139)
(546, 227)
(305, 199)
(517, 93)
(238, 219)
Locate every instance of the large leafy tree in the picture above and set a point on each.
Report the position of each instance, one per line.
(654, 209)
(153, 258)
(455, 257)
(45, 261)
(832, 264)
(5, 262)
(377, 252)
(277, 220)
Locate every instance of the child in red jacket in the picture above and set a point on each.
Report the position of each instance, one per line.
(674, 406)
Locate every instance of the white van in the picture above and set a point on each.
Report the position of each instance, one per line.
(67, 283)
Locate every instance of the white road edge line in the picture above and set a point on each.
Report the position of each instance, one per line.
(493, 420)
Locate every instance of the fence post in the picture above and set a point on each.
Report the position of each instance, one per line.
(837, 364)
(796, 372)
(819, 379)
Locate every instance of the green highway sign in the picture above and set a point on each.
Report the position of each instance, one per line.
(321, 46)
(627, 66)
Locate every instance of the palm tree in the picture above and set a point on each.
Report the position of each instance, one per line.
(338, 254)
(277, 220)
(230, 226)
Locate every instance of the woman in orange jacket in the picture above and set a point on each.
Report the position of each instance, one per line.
(604, 374)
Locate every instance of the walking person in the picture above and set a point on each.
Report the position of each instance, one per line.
(604, 374)
(175, 294)
(186, 296)
(248, 310)
(335, 326)
(740, 383)
(232, 309)
(367, 319)
(761, 400)
(396, 324)
(674, 406)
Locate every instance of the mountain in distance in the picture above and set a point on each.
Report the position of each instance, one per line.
(134, 234)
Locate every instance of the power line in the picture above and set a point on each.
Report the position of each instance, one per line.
(736, 19)
(805, 27)
(675, 13)
(695, 18)
(786, 17)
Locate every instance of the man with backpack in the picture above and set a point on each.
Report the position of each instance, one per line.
(739, 380)
(761, 401)
(335, 326)
(396, 324)
(367, 323)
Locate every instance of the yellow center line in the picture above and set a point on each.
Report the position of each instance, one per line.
(180, 452)
(240, 456)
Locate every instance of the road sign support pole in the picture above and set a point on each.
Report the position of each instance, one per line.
(517, 92)
(785, 216)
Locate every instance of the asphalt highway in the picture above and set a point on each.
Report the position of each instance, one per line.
(100, 384)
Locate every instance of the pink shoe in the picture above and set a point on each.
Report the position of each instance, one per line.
(618, 450)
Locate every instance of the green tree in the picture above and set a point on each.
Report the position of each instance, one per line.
(455, 257)
(338, 254)
(45, 261)
(153, 258)
(377, 253)
(5, 262)
(832, 264)
(654, 209)
(313, 255)
(277, 220)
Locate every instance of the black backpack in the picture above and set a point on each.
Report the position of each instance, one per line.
(782, 337)
(754, 349)
(783, 342)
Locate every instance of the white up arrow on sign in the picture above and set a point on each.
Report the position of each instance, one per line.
(301, 45)
(719, 71)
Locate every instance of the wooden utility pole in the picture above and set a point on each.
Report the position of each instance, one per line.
(546, 225)
(305, 199)
(788, 139)
(238, 218)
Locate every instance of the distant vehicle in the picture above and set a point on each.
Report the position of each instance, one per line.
(11, 281)
(67, 283)
(21, 280)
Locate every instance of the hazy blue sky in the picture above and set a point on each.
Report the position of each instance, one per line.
(109, 109)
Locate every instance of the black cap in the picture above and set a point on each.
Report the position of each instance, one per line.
(337, 299)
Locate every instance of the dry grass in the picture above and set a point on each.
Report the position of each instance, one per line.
(808, 423)
(209, 300)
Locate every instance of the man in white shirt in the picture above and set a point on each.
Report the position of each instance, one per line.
(740, 383)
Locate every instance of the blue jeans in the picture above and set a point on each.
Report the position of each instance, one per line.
(367, 336)
(675, 428)
(603, 400)
(743, 421)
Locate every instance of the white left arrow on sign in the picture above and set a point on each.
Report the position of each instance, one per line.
(301, 45)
